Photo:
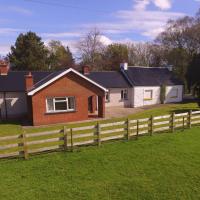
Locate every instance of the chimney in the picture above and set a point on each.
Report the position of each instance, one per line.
(4, 68)
(28, 81)
(170, 67)
(86, 69)
(124, 66)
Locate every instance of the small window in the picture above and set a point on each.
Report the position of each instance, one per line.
(174, 93)
(107, 96)
(124, 94)
(60, 104)
(148, 95)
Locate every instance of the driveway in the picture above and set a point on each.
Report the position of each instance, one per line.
(115, 112)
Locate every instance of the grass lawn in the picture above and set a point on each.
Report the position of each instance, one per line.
(13, 129)
(164, 166)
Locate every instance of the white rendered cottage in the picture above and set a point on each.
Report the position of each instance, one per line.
(139, 86)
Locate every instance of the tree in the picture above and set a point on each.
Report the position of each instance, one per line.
(181, 39)
(193, 73)
(28, 53)
(179, 58)
(145, 54)
(60, 57)
(90, 49)
(113, 55)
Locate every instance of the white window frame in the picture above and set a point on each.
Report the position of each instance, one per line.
(107, 95)
(175, 96)
(55, 101)
(124, 91)
(148, 99)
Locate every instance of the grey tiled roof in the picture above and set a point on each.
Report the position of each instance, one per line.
(112, 79)
(151, 76)
(15, 80)
(134, 76)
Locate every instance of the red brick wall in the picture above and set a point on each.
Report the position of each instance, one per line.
(70, 85)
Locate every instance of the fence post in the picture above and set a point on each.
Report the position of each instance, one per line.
(128, 128)
(172, 122)
(151, 125)
(26, 156)
(183, 122)
(137, 134)
(190, 119)
(65, 137)
(72, 142)
(98, 134)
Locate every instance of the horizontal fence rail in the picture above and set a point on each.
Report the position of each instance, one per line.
(68, 138)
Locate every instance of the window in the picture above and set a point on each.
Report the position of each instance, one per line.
(107, 96)
(148, 95)
(124, 94)
(60, 104)
(174, 93)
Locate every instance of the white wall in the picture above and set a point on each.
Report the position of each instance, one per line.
(16, 104)
(115, 98)
(138, 96)
(170, 96)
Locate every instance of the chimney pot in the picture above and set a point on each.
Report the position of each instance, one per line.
(124, 66)
(29, 81)
(4, 68)
(86, 69)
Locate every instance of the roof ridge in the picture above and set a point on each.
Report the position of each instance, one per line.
(148, 67)
(103, 71)
(43, 79)
(31, 71)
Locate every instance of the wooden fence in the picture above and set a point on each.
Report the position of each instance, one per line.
(68, 138)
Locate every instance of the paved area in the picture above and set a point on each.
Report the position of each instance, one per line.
(114, 112)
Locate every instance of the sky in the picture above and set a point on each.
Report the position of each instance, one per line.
(69, 20)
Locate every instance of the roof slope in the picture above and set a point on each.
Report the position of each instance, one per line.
(151, 76)
(109, 79)
(15, 81)
(55, 76)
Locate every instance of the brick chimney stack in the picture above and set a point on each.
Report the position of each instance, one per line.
(29, 81)
(4, 68)
(86, 69)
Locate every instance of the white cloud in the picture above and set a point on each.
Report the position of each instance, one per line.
(153, 33)
(163, 4)
(10, 31)
(142, 4)
(16, 9)
(139, 20)
(4, 49)
(61, 35)
(105, 40)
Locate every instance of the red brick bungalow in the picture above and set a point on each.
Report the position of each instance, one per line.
(57, 97)
(63, 97)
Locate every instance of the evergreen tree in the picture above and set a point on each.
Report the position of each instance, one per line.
(28, 53)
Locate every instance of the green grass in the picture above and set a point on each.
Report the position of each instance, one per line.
(165, 166)
(13, 129)
(166, 109)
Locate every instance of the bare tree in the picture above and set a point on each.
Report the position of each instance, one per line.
(90, 48)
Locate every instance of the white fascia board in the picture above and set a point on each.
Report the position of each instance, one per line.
(61, 75)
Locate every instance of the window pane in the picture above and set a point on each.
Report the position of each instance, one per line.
(174, 92)
(50, 105)
(60, 105)
(60, 99)
(148, 94)
(71, 103)
(122, 94)
(107, 96)
(125, 94)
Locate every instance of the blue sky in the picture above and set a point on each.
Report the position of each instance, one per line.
(69, 20)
